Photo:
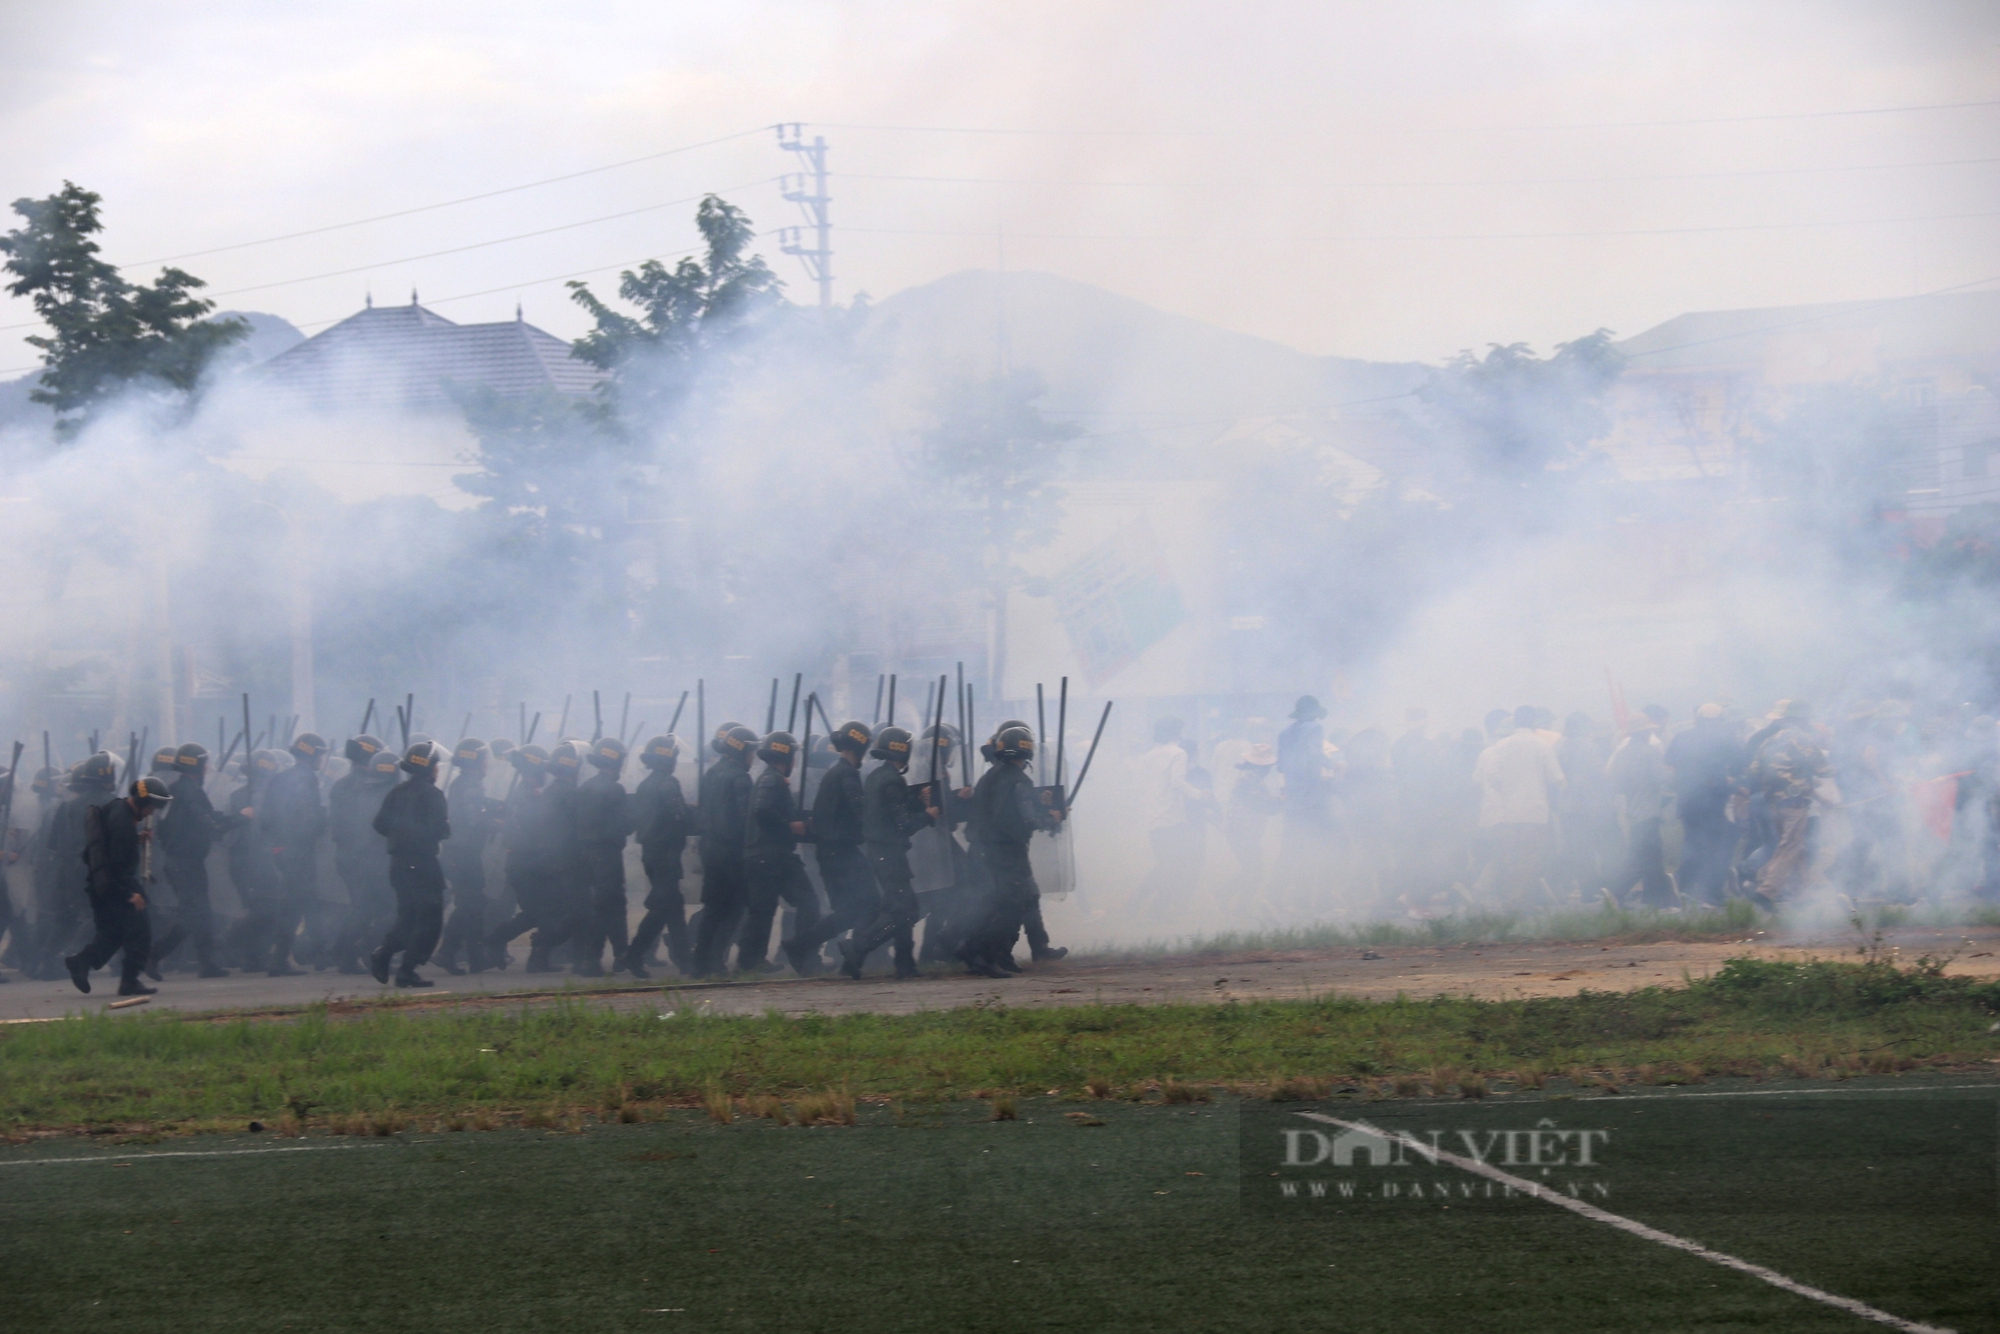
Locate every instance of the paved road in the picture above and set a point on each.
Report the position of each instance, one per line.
(1487, 971)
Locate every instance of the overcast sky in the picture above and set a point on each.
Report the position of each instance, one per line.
(1376, 180)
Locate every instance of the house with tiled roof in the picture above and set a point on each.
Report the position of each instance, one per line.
(412, 358)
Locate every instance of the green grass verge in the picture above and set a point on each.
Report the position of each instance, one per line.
(947, 1220)
(1606, 923)
(319, 1070)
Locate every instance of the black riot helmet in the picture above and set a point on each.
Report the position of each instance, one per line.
(1016, 741)
(564, 761)
(264, 762)
(163, 760)
(720, 743)
(421, 760)
(779, 748)
(382, 767)
(97, 773)
(150, 793)
(661, 753)
(45, 782)
(529, 761)
(852, 737)
(308, 748)
(738, 741)
(501, 748)
(893, 744)
(191, 759)
(944, 738)
(608, 754)
(361, 750)
(470, 754)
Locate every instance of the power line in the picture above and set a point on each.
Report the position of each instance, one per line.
(455, 250)
(1453, 236)
(1554, 125)
(449, 203)
(1385, 185)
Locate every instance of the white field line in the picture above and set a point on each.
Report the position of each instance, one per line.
(1637, 1229)
(128, 1159)
(1991, 1086)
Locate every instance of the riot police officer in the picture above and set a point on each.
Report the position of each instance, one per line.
(415, 820)
(662, 822)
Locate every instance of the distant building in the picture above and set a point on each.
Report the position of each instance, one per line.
(414, 359)
(1701, 387)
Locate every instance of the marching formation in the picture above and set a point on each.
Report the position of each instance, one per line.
(411, 835)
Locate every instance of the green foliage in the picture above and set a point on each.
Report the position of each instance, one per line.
(105, 332)
(1827, 987)
(694, 311)
(1517, 414)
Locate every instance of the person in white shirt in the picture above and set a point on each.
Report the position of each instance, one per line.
(1164, 796)
(1517, 775)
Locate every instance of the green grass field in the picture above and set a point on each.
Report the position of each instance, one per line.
(319, 1070)
(945, 1218)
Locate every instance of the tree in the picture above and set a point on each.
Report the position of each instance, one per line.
(999, 458)
(696, 309)
(561, 477)
(106, 332)
(1517, 415)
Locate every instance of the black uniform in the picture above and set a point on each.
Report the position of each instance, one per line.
(952, 904)
(539, 834)
(362, 860)
(603, 822)
(723, 812)
(292, 819)
(474, 819)
(67, 837)
(1007, 812)
(415, 819)
(662, 822)
(772, 869)
(837, 830)
(111, 862)
(186, 837)
(890, 816)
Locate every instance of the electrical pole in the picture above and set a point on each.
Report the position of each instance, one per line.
(807, 189)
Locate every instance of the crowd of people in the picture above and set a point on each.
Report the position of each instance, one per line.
(1881, 801)
(446, 857)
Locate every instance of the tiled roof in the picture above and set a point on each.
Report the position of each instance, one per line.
(407, 356)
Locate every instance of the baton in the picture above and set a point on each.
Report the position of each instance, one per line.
(1085, 773)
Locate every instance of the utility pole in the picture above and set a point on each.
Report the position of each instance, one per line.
(807, 189)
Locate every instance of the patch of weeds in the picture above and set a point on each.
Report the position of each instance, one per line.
(1299, 1090)
(1173, 1090)
(834, 1107)
(720, 1108)
(1005, 1108)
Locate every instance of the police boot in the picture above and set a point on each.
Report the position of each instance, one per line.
(803, 958)
(1048, 953)
(378, 964)
(408, 977)
(851, 958)
(1005, 960)
(79, 972)
(132, 986)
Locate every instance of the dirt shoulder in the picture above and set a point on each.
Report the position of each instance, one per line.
(1490, 972)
